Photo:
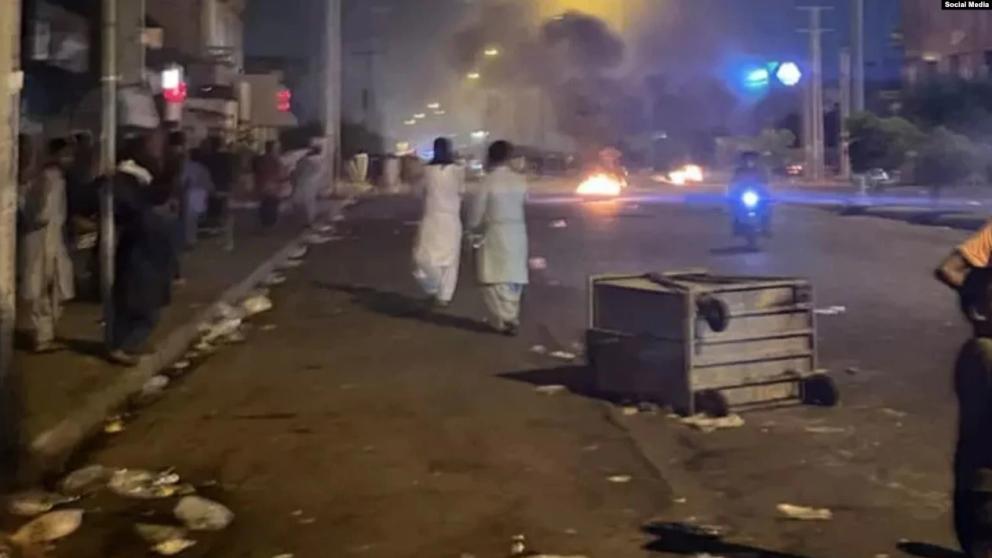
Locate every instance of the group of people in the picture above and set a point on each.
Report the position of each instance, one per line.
(274, 182)
(495, 222)
(162, 193)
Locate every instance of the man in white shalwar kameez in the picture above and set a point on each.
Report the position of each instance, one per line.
(498, 214)
(437, 251)
(45, 272)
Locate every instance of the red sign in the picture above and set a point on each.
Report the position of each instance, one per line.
(284, 100)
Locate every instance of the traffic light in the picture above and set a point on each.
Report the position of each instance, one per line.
(284, 99)
(174, 89)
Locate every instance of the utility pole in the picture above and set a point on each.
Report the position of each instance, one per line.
(815, 148)
(10, 86)
(108, 160)
(843, 142)
(332, 89)
(858, 51)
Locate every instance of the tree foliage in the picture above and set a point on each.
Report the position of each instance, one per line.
(881, 142)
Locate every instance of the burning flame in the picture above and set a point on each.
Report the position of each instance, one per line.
(599, 185)
(685, 175)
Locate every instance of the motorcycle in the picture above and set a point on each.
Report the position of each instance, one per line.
(751, 209)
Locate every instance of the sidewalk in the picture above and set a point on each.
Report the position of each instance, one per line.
(63, 395)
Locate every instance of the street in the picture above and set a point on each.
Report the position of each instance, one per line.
(353, 424)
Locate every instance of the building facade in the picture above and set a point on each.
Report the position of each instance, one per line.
(941, 42)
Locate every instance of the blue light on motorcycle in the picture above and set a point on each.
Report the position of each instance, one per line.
(750, 199)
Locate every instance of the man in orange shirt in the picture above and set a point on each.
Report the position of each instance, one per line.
(973, 253)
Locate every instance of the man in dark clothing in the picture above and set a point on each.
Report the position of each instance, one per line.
(973, 385)
(221, 165)
(144, 259)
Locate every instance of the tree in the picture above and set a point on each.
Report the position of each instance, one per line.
(881, 142)
(775, 146)
(946, 159)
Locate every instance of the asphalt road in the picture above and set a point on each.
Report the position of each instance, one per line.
(353, 425)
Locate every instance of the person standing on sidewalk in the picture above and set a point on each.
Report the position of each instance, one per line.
(437, 251)
(46, 277)
(194, 187)
(308, 179)
(498, 215)
(270, 176)
(143, 264)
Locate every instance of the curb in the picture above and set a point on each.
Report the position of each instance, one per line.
(49, 451)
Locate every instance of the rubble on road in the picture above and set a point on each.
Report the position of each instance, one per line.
(167, 540)
(538, 263)
(539, 349)
(291, 264)
(554, 389)
(317, 239)
(619, 479)
(803, 513)
(256, 305)
(299, 253)
(114, 425)
(201, 514)
(146, 485)
(563, 355)
(85, 480)
(518, 545)
(275, 279)
(709, 424)
(49, 527)
(181, 365)
(559, 224)
(154, 387)
(825, 430)
(36, 502)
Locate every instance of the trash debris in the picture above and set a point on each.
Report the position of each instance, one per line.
(680, 500)
(559, 224)
(619, 479)
(181, 365)
(317, 239)
(647, 408)
(275, 279)
(539, 349)
(290, 264)
(235, 337)
(628, 411)
(324, 228)
(803, 513)
(268, 327)
(49, 527)
(831, 310)
(551, 390)
(36, 502)
(563, 355)
(114, 425)
(893, 413)
(146, 485)
(201, 514)
(711, 424)
(220, 329)
(167, 540)
(154, 386)
(299, 253)
(538, 263)
(256, 305)
(225, 310)
(557, 556)
(518, 545)
(85, 480)
(283, 556)
(853, 370)
(825, 430)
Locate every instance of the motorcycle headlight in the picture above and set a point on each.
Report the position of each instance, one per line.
(750, 199)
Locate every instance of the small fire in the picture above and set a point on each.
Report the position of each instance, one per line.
(686, 174)
(600, 185)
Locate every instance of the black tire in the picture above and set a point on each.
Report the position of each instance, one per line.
(712, 403)
(821, 391)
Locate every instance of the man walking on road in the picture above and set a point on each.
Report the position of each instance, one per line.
(437, 251)
(498, 214)
(270, 175)
(46, 277)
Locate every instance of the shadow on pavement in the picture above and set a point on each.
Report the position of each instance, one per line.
(577, 379)
(927, 550)
(396, 305)
(680, 538)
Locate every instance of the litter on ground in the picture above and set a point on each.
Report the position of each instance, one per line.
(85, 480)
(711, 424)
(49, 527)
(172, 547)
(36, 502)
(551, 390)
(256, 305)
(559, 224)
(275, 279)
(831, 310)
(825, 430)
(563, 355)
(539, 349)
(114, 425)
(803, 513)
(146, 485)
(201, 514)
(538, 263)
(619, 479)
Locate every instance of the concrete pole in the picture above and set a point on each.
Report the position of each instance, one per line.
(858, 54)
(815, 151)
(845, 113)
(332, 91)
(10, 85)
(108, 160)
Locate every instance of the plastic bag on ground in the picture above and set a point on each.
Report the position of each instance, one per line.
(221, 329)
(49, 527)
(256, 305)
(36, 502)
(275, 279)
(803, 513)
(201, 514)
(85, 480)
(166, 540)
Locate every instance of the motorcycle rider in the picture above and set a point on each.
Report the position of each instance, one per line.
(750, 175)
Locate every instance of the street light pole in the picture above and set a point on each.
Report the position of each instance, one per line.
(815, 149)
(858, 59)
(108, 161)
(845, 113)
